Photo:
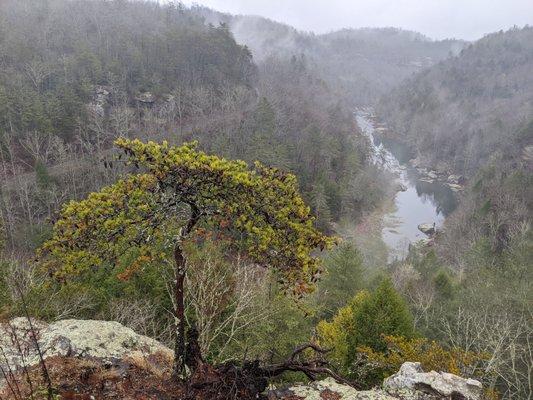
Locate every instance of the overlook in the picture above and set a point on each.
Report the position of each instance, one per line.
(237, 200)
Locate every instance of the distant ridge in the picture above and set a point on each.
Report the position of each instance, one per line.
(469, 108)
(362, 63)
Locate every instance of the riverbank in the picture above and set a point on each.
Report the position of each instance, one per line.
(428, 172)
(422, 196)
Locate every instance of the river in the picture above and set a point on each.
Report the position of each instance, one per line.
(420, 200)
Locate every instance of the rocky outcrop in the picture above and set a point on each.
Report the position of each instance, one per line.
(100, 101)
(70, 345)
(410, 383)
(440, 385)
(325, 390)
(72, 338)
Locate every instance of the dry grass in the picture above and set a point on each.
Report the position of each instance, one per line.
(158, 364)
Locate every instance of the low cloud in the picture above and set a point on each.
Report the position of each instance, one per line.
(464, 19)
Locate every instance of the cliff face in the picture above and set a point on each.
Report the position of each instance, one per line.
(100, 359)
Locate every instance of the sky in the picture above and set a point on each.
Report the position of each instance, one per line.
(438, 19)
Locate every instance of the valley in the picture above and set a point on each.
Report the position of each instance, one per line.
(200, 205)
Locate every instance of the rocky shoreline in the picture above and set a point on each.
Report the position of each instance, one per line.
(429, 173)
(453, 181)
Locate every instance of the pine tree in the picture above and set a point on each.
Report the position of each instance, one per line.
(259, 210)
(384, 313)
(364, 323)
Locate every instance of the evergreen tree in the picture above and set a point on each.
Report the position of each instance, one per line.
(384, 313)
(364, 322)
(259, 210)
(344, 278)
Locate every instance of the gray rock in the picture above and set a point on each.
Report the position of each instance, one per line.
(440, 385)
(146, 98)
(100, 100)
(410, 383)
(327, 389)
(428, 229)
(73, 338)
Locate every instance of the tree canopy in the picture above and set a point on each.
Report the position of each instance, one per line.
(259, 207)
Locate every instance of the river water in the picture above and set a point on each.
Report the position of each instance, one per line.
(420, 202)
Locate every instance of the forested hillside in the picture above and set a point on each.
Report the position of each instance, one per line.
(473, 115)
(362, 64)
(189, 174)
(468, 109)
(77, 74)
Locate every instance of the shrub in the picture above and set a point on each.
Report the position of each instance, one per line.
(383, 313)
(362, 323)
(431, 355)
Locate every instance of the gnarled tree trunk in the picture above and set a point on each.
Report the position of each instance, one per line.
(179, 312)
(180, 265)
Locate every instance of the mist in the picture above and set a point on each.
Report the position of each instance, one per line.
(252, 199)
(468, 20)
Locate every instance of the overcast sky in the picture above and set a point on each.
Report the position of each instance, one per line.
(464, 19)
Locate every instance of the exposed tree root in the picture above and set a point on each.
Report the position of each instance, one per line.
(250, 380)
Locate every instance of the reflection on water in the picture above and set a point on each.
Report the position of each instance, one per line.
(421, 202)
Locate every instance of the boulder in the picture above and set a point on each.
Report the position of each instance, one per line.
(428, 229)
(440, 385)
(145, 98)
(400, 187)
(432, 175)
(73, 338)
